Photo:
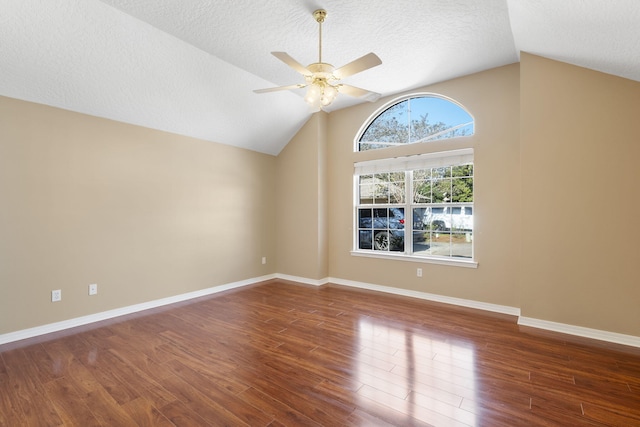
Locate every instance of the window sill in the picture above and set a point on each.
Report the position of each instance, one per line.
(430, 260)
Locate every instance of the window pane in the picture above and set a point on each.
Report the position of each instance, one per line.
(462, 190)
(462, 219)
(366, 194)
(436, 219)
(364, 218)
(440, 243)
(396, 218)
(397, 241)
(437, 118)
(388, 240)
(365, 239)
(381, 192)
(464, 170)
(441, 172)
(419, 239)
(380, 218)
(441, 190)
(396, 193)
(461, 245)
(390, 128)
(422, 186)
(422, 174)
(419, 119)
(381, 188)
(422, 192)
(365, 189)
(418, 218)
(397, 187)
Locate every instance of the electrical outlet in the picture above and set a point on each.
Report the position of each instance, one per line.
(56, 295)
(419, 272)
(264, 259)
(93, 289)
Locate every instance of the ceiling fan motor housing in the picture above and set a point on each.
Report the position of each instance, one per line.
(322, 70)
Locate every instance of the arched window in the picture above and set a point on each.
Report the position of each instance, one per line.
(418, 206)
(416, 119)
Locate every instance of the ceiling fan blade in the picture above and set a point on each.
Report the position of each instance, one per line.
(359, 93)
(287, 59)
(274, 89)
(370, 60)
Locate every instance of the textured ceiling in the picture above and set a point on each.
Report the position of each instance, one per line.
(190, 67)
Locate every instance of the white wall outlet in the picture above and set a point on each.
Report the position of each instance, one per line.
(419, 272)
(93, 289)
(264, 259)
(56, 295)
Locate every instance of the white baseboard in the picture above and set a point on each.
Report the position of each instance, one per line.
(504, 309)
(596, 334)
(580, 331)
(404, 292)
(110, 314)
(315, 282)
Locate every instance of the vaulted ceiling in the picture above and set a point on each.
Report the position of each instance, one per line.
(190, 66)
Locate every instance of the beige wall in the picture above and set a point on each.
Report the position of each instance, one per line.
(142, 213)
(580, 178)
(492, 98)
(147, 214)
(302, 202)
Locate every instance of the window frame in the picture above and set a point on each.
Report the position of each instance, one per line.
(365, 126)
(407, 165)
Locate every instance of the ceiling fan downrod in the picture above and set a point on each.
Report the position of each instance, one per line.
(320, 15)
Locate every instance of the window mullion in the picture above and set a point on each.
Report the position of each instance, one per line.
(408, 215)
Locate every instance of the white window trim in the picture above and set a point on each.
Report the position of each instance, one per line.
(421, 259)
(419, 161)
(407, 163)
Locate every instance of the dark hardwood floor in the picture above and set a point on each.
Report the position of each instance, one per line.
(282, 354)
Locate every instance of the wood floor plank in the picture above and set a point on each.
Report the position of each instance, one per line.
(213, 391)
(181, 415)
(32, 397)
(69, 406)
(285, 354)
(145, 414)
(283, 414)
(410, 409)
(207, 409)
(294, 395)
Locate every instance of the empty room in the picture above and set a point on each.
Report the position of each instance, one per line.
(319, 213)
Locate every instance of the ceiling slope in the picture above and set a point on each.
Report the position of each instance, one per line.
(190, 67)
(600, 35)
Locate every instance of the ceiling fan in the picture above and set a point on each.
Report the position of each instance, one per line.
(322, 79)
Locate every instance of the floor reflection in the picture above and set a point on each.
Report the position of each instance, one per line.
(417, 375)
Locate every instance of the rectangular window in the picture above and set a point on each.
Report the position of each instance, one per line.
(418, 206)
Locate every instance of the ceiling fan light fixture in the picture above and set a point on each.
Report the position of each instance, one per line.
(328, 94)
(321, 78)
(314, 92)
(320, 94)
